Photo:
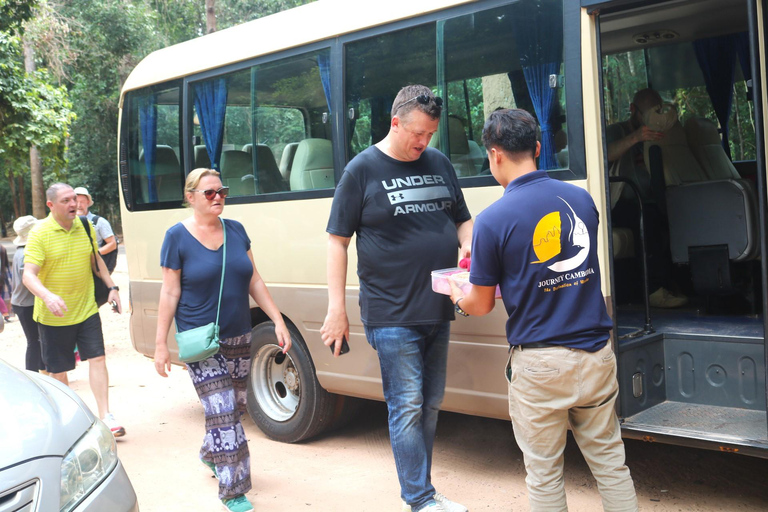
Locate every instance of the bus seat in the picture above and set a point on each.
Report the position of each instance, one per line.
(286, 160)
(623, 243)
(248, 148)
(460, 157)
(476, 155)
(705, 215)
(202, 160)
(236, 164)
(167, 174)
(707, 146)
(270, 179)
(313, 165)
(679, 164)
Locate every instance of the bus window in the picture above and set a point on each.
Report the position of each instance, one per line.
(490, 59)
(496, 59)
(154, 165)
(267, 128)
(376, 69)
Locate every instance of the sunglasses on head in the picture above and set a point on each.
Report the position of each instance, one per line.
(210, 193)
(423, 99)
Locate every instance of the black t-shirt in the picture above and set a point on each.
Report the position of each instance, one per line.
(405, 216)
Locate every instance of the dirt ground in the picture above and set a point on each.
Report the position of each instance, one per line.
(476, 461)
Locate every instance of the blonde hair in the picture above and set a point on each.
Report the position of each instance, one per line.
(193, 180)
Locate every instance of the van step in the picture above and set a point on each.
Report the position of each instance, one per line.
(705, 422)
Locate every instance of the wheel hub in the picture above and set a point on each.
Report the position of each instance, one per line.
(291, 380)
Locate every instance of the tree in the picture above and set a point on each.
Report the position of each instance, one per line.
(210, 16)
(32, 113)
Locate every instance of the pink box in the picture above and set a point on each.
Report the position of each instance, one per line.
(441, 284)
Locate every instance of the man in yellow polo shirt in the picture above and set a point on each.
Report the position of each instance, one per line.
(57, 270)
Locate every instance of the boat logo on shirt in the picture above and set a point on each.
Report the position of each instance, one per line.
(410, 195)
(551, 241)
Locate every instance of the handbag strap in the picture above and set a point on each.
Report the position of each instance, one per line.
(223, 268)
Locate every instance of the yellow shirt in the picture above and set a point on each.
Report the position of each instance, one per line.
(64, 258)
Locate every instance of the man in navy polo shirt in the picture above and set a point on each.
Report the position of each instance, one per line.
(539, 244)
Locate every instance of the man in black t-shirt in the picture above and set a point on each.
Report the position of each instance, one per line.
(403, 201)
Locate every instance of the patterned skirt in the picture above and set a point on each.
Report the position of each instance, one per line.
(220, 382)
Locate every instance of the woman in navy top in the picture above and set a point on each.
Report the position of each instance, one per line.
(191, 258)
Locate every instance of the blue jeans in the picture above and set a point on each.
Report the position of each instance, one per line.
(413, 366)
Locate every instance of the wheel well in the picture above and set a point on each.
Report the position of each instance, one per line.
(258, 316)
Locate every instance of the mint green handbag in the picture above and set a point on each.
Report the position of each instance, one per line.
(202, 342)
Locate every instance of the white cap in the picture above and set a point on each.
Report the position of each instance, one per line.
(22, 226)
(82, 191)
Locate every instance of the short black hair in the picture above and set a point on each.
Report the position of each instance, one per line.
(512, 130)
(408, 93)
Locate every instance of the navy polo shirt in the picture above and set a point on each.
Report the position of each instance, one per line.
(539, 244)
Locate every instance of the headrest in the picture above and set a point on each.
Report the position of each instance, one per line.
(674, 135)
(314, 154)
(457, 136)
(702, 132)
(661, 118)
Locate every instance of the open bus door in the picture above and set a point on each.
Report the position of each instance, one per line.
(758, 28)
(695, 375)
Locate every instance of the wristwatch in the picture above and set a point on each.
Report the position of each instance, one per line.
(116, 288)
(458, 308)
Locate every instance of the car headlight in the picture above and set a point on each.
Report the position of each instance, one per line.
(87, 464)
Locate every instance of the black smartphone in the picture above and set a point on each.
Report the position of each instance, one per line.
(344, 346)
(113, 303)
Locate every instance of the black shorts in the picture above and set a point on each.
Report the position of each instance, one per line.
(59, 343)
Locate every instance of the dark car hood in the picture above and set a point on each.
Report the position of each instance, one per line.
(39, 416)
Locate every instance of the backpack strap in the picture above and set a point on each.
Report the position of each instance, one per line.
(87, 227)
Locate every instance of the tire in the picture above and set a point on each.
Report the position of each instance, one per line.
(285, 400)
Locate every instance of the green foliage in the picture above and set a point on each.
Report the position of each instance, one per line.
(34, 112)
(13, 13)
(234, 12)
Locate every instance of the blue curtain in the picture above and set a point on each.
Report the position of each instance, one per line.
(324, 62)
(716, 56)
(742, 50)
(539, 37)
(148, 127)
(211, 106)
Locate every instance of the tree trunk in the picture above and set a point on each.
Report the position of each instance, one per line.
(210, 16)
(14, 196)
(22, 196)
(38, 192)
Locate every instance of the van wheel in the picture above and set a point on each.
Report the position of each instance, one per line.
(285, 399)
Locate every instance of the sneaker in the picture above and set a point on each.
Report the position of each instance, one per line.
(237, 504)
(435, 506)
(432, 507)
(663, 298)
(448, 505)
(211, 466)
(114, 426)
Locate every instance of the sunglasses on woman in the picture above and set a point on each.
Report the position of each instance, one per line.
(210, 193)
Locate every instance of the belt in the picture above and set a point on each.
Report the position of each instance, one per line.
(528, 346)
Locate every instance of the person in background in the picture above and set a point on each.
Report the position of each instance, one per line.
(403, 200)
(5, 284)
(59, 263)
(22, 299)
(191, 259)
(105, 237)
(625, 151)
(538, 243)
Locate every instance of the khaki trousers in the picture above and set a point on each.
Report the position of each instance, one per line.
(549, 389)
